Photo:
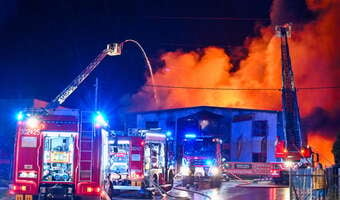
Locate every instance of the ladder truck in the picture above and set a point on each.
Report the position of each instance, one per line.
(58, 152)
(292, 147)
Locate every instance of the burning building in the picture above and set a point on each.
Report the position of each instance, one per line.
(248, 135)
(209, 76)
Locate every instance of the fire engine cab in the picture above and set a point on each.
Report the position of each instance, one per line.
(201, 160)
(136, 162)
(58, 155)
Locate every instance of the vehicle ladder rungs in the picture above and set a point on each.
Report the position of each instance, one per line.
(87, 131)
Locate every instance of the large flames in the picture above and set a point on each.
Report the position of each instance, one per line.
(314, 47)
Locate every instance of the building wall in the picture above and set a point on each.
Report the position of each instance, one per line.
(244, 143)
(238, 133)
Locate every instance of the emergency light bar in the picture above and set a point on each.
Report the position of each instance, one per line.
(123, 142)
(155, 135)
(190, 135)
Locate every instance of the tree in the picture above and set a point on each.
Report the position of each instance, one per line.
(336, 149)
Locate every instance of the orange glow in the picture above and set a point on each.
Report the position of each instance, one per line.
(314, 49)
(322, 146)
(23, 188)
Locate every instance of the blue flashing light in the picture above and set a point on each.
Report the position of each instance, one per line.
(168, 133)
(20, 116)
(100, 120)
(209, 162)
(190, 135)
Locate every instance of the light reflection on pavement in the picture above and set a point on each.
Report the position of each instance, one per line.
(228, 191)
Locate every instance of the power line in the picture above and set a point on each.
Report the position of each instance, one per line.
(239, 89)
(210, 88)
(319, 88)
(208, 18)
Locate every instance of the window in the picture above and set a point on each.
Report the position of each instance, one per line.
(259, 128)
(58, 157)
(30, 142)
(151, 124)
(259, 157)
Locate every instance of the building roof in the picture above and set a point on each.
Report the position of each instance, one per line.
(203, 107)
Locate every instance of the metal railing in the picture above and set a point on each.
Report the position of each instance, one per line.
(303, 183)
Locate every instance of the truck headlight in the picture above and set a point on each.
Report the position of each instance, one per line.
(184, 170)
(215, 171)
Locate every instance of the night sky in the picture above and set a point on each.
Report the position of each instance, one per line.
(45, 44)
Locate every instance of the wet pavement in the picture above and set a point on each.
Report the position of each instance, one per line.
(233, 191)
(228, 191)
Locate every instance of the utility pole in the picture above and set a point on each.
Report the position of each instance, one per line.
(96, 95)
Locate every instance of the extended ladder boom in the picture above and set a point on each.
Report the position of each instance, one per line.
(291, 115)
(111, 50)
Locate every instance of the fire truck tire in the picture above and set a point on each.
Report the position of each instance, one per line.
(216, 182)
(171, 177)
(187, 181)
(88, 198)
(155, 179)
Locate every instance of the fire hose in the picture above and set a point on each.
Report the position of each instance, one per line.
(190, 191)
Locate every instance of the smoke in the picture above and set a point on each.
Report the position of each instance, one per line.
(289, 11)
(321, 120)
(314, 48)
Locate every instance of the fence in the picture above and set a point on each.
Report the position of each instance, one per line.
(301, 187)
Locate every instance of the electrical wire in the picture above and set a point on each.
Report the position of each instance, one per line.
(239, 89)
(208, 18)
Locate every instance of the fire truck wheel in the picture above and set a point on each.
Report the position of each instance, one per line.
(216, 182)
(108, 187)
(155, 179)
(171, 177)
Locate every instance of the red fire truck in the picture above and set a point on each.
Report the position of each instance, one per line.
(200, 160)
(58, 152)
(136, 162)
(59, 155)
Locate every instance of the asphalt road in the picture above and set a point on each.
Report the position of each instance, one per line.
(228, 191)
(238, 191)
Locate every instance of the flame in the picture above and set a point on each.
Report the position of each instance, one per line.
(323, 146)
(313, 47)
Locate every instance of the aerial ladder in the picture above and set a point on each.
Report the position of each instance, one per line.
(111, 50)
(294, 140)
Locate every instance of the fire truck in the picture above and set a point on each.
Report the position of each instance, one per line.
(200, 160)
(59, 156)
(136, 163)
(58, 152)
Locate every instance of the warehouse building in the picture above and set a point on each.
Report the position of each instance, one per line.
(248, 135)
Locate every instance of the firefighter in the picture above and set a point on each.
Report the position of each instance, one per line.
(319, 182)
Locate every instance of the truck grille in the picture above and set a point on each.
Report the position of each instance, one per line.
(197, 162)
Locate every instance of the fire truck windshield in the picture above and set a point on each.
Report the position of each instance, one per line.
(119, 158)
(58, 157)
(199, 147)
